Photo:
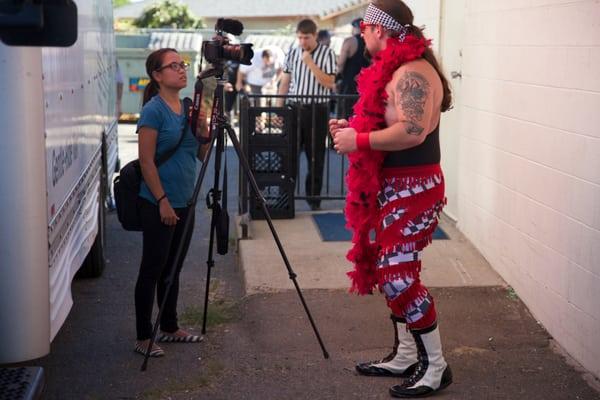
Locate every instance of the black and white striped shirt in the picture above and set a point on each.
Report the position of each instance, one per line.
(302, 80)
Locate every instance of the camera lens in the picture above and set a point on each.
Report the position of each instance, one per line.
(241, 53)
(219, 49)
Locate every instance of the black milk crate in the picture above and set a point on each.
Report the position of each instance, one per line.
(278, 193)
(271, 126)
(270, 160)
(268, 138)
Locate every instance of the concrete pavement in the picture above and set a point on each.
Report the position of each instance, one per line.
(321, 265)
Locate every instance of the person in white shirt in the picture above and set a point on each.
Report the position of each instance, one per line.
(262, 75)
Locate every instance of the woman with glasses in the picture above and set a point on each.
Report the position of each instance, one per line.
(164, 195)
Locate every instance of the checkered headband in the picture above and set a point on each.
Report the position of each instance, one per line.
(375, 16)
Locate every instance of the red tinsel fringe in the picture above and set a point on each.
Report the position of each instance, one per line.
(392, 237)
(410, 269)
(407, 247)
(402, 304)
(364, 174)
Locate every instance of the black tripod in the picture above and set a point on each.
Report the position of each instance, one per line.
(220, 124)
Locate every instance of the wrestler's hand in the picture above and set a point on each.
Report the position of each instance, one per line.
(335, 125)
(344, 141)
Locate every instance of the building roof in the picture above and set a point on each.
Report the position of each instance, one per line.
(250, 9)
(175, 40)
(157, 39)
(286, 42)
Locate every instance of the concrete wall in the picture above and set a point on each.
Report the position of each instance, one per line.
(427, 14)
(529, 151)
(529, 170)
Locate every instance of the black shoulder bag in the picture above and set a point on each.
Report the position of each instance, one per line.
(126, 187)
(220, 218)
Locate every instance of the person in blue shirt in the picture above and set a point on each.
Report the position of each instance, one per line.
(164, 194)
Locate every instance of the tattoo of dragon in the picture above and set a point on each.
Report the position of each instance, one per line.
(412, 91)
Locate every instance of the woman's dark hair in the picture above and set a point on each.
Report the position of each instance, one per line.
(154, 62)
(402, 13)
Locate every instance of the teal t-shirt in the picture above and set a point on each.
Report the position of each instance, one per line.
(178, 173)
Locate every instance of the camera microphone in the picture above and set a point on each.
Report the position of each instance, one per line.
(232, 26)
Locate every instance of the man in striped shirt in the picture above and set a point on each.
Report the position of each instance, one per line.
(309, 70)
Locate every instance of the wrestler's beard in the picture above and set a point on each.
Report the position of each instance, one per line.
(367, 55)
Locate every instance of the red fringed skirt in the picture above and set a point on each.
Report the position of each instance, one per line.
(410, 203)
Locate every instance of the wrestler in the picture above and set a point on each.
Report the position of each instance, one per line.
(396, 188)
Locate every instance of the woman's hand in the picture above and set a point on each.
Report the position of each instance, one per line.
(335, 125)
(167, 214)
(344, 141)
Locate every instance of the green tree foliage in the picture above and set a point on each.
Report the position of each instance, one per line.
(120, 3)
(168, 14)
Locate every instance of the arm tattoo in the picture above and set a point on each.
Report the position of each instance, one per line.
(412, 92)
(414, 129)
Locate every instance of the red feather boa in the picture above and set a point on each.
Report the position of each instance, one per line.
(364, 173)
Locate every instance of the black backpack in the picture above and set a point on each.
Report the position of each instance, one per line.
(126, 186)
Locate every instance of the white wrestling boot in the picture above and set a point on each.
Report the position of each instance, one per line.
(401, 362)
(432, 373)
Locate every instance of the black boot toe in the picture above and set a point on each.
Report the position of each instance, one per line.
(369, 369)
(405, 392)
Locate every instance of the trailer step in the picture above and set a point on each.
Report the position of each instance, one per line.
(24, 383)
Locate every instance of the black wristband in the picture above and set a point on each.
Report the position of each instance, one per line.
(164, 196)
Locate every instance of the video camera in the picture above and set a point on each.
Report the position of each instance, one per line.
(219, 49)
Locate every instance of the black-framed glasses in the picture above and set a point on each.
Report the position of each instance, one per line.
(175, 66)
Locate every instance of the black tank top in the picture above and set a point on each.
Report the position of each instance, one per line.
(352, 67)
(427, 152)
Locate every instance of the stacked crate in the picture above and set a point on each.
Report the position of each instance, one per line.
(270, 146)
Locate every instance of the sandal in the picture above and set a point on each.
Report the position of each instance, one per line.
(154, 352)
(173, 338)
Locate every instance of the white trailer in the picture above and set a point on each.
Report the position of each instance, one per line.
(58, 149)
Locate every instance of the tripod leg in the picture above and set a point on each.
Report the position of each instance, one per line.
(187, 225)
(210, 262)
(256, 190)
